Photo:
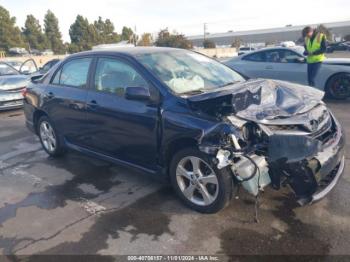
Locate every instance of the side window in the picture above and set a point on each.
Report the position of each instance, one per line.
(288, 56)
(56, 79)
(273, 56)
(73, 73)
(114, 76)
(256, 57)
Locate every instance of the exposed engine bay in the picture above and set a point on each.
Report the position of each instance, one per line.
(274, 133)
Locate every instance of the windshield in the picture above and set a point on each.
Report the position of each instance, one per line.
(7, 70)
(188, 72)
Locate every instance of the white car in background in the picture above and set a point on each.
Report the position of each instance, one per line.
(289, 64)
(26, 67)
(245, 50)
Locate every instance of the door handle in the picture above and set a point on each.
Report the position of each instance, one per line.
(50, 95)
(269, 67)
(93, 104)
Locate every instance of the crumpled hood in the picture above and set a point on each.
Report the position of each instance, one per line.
(262, 100)
(11, 82)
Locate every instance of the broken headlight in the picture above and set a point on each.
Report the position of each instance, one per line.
(251, 132)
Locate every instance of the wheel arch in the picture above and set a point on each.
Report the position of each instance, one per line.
(37, 115)
(331, 76)
(175, 146)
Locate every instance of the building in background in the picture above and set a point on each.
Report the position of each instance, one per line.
(269, 36)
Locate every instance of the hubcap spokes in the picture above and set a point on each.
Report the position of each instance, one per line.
(197, 181)
(341, 87)
(47, 136)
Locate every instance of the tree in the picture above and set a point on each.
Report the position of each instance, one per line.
(33, 35)
(172, 40)
(322, 29)
(146, 40)
(10, 34)
(209, 44)
(53, 34)
(236, 43)
(105, 31)
(127, 34)
(83, 35)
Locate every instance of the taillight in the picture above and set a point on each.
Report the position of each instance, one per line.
(24, 92)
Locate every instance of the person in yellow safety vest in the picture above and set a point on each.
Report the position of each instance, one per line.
(315, 48)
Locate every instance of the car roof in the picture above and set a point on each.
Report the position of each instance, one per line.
(129, 51)
(271, 49)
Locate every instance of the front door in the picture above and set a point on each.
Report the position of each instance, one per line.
(121, 128)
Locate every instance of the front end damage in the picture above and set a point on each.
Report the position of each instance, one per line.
(274, 133)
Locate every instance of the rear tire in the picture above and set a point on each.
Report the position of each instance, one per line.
(338, 86)
(198, 182)
(49, 138)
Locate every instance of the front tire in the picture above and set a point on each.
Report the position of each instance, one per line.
(198, 183)
(49, 137)
(338, 86)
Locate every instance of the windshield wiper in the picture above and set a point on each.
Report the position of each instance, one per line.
(193, 92)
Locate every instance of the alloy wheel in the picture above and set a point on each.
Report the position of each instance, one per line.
(341, 87)
(197, 181)
(47, 136)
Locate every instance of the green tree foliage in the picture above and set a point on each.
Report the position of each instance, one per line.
(146, 40)
(10, 34)
(127, 34)
(105, 31)
(165, 38)
(83, 35)
(53, 34)
(209, 44)
(33, 35)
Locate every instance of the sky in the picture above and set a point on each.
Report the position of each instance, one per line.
(185, 16)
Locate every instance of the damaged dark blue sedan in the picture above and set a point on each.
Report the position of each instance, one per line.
(190, 119)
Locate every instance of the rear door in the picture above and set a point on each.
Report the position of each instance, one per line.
(121, 128)
(65, 98)
(255, 65)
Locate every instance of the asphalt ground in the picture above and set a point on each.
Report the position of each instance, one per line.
(79, 205)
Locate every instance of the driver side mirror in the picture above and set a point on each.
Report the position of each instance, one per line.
(137, 93)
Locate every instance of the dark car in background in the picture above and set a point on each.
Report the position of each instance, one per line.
(339, 46)
(48, 65)
(191, 119)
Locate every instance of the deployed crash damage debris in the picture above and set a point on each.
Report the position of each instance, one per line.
(274, 133)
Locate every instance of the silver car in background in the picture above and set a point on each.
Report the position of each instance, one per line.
(290, 65)
(12, 84)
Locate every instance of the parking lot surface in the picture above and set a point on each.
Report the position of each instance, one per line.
(79, 205)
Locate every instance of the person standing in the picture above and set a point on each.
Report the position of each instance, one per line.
(315, 49)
